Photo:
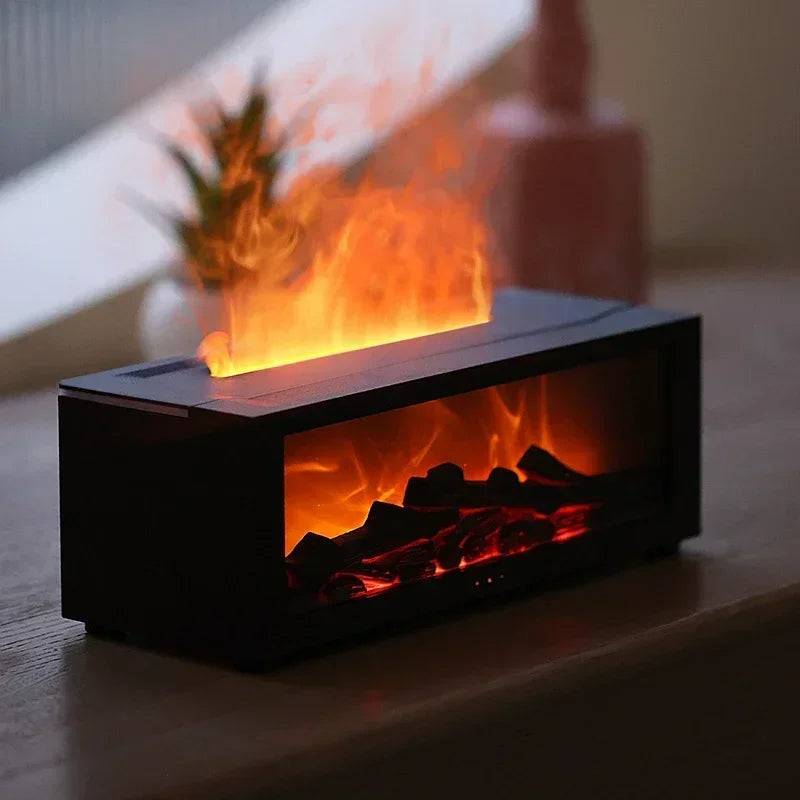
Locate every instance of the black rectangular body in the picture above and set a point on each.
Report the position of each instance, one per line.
(181, 506)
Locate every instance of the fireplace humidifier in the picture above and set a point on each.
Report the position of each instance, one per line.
(252, 517)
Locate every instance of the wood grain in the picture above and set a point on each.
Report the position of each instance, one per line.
(86, 718)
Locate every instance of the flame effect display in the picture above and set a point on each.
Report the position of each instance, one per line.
(339, 264)
(333, 475)
(588, 417)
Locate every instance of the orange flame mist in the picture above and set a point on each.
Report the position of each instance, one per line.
(336, 266)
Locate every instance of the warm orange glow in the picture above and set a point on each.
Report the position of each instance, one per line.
(587, 417)
(584, 438)
(339, 265)
(333, 476)
(571, 522)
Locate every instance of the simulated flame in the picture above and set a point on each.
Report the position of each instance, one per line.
(333, 474)
(337, 265)
(589, 417)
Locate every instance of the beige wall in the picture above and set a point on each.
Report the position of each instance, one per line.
(98, 337)
(717, 85)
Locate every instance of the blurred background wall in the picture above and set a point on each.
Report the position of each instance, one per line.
(716, 85)
(713, 82)
(68, 65)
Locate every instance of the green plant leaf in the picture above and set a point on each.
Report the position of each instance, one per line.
(246, 161)
(220, 136)
(268, 163)
(252, 120)
(196, 180)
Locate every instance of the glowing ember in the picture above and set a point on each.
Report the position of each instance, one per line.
(490, 548)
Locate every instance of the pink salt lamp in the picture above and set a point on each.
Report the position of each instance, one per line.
(569, 209)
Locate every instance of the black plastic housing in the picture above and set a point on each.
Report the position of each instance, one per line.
(172, 492)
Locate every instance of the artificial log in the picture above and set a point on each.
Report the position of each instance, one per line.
(522, 534)
(469, 522)
(446, 520)
(410, 562)
(502, 480)
(470, 538)
(503, 490)
(477, 544)
(480, 533)
(446, 476)
(398, 525)
(314, 558)
(549, 485)
(378, 571)
(356, 544)
(573, 517)
(389, 527)
(492, 530)
(343, 586)
(542, 467)
(449, 553)
(415, 569)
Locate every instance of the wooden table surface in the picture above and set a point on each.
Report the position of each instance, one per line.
(87, 718)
